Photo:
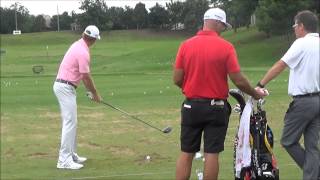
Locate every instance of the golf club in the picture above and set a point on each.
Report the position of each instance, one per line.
(165, 130)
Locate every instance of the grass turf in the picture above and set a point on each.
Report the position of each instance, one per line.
(132, 70)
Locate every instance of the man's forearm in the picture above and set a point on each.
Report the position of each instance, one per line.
(245, 87)
(178, 76)
(243, 84)
(88, 83)
(178, 83)
(273, 72)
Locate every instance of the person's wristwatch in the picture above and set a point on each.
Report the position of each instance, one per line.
(260, 85)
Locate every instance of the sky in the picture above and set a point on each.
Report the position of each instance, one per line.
(50, 7)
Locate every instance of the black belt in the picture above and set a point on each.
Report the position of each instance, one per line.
(66, 82)
(207, 100)
(199, 99)
(307, 95)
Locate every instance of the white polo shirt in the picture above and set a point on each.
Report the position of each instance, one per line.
(303, 61)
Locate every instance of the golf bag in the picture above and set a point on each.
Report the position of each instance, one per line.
(263, 164)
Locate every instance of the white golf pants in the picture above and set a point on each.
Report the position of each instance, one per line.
(66, 95)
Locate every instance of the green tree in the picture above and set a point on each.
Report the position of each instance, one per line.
(8, 23)
(116, 14)
(175, 11)
(158, 17)
(95, 12)
(193, 14)
(315, 6)
(7, 20)
(54, 22)
(276, 16)
(64, 21)
(39, 24)
(23, 18)
(127, 18)
(140, 15)
(238, 11)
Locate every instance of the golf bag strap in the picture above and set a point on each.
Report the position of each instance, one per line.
(266, 140)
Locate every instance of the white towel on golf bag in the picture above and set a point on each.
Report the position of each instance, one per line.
(243, 150)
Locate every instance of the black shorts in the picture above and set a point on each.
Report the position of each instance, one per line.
(201, 116)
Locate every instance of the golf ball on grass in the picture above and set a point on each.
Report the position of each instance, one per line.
(198, 155)
(148, 158)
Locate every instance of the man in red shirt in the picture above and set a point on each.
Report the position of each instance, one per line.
(203, 64)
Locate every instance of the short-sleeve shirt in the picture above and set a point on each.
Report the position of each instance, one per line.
(75, 62)
(304, 63)
(206, 60)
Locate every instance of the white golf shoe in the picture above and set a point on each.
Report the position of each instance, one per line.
(69, 165)
(78, 159)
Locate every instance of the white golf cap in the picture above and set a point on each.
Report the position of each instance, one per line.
(92, 31)
(216, 14)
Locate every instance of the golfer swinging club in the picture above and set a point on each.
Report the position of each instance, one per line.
(74, 67)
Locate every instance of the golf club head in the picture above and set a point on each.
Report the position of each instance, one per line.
(167, 130)
(239, 96)
(237, 108)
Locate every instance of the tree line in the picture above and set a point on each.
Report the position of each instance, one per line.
(272, 16)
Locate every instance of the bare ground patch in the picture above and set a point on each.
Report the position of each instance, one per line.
(38, 155)
(4, 119)
(82, 115)
(9, 153)
(38, 136)
(3, 129)
(50, 115)
(121, 150)
(147, 140)
(91, 115)
(90, 145)
(153, 157)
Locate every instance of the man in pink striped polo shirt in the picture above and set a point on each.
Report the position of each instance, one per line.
(74, 67)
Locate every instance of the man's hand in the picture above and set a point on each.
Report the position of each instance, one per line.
(97, 98)
(178, 76)
(243, 84)
(88, 83)
(94, 96)
(260, 93)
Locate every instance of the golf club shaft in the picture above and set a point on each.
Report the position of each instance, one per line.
(134, 117)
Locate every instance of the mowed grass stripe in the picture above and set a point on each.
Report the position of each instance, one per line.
(133, 71)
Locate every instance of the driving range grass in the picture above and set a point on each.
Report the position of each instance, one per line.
(133, 71)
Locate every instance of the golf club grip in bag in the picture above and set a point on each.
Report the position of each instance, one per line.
(239, 96)
(263, 163)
